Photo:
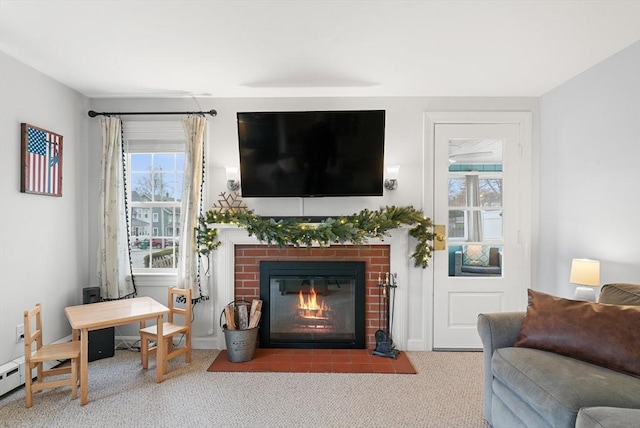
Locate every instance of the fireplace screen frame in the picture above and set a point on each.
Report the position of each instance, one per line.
(353, 269)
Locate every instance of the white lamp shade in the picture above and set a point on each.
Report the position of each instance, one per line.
(585, 272)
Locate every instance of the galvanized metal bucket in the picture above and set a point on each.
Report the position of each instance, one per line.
(241, 344)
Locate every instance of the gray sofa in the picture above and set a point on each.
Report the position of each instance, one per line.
(526, 387)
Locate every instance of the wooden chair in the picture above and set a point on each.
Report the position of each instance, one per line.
(169, 330)
(43, 353)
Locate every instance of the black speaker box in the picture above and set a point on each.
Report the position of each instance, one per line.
(102, 342)
(90, 295)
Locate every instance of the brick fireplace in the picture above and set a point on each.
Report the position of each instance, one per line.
(376, 258)
(235, 270)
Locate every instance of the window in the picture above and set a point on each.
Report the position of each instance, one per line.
(155, 169)
(475, 207)
(475, 201)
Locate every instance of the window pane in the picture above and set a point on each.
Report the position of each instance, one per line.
(164, 162)
(178, 186)
(140, 225)
(140, 162)
(166, 185)
(180, 162)
(491, 225)
(457, 224)
(140, 186)
(475, 225)
(457, 192)
(490, 192)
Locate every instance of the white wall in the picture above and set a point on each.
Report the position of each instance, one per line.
(590, 174)
(43, 239)
(403, 146)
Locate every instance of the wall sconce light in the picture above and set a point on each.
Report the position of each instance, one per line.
(391, 182)
(233, 181)
(585, 272)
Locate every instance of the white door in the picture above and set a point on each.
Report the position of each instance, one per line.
(481, 193)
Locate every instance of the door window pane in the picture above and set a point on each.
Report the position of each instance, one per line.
(457, 228)
(490, 192)
(457, 192)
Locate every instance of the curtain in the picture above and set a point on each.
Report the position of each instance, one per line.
(189, 261)
(473, 200)
(114, 262)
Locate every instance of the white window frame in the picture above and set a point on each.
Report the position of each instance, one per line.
(152, 137)
(467, 209)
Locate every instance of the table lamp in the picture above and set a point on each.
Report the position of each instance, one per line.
(585, 272)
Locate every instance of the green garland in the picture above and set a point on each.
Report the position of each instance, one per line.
(354, 229)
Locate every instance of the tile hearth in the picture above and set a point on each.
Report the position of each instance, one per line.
(315, 361)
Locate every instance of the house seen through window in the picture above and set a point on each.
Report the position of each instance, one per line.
(154, 193)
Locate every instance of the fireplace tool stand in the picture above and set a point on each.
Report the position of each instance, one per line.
(386, 300)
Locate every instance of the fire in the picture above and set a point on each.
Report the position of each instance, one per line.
(310, 308)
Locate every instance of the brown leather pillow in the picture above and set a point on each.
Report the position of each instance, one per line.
(602, 334)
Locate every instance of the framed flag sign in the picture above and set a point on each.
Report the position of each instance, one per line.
(41, 161)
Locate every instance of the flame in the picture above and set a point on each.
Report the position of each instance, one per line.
(310, 308)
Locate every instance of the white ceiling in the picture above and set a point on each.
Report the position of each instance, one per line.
(142, 48)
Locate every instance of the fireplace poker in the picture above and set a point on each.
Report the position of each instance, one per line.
(384, 342)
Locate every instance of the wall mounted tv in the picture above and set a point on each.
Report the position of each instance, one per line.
(311, 153)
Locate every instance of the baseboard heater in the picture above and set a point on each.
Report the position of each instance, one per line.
(9, 377)
(12, 374)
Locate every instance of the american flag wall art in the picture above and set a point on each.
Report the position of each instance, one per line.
(41, 161)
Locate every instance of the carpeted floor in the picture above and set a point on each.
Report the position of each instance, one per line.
(315, 361)
(445, 392)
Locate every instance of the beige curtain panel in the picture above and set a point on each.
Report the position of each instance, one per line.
(189, 261)
(114, 266)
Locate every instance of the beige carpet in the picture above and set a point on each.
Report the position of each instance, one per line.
(446, 392)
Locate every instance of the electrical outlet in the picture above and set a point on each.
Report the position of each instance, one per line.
(20, 333)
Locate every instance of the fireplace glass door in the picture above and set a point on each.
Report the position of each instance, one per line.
(312, 304)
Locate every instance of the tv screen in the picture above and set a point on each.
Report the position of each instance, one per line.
(311, 153)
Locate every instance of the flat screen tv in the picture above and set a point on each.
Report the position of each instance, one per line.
(311, 153)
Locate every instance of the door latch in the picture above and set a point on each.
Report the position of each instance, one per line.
(439, 237)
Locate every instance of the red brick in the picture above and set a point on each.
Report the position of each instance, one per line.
(376, 257)
(245, 276)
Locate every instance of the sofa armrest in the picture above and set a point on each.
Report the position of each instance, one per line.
(497, 330)
(607, 417)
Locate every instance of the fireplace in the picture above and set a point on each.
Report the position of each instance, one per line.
(312, 304)
(237, 273)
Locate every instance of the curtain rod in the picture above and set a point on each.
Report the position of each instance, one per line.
(92, 113)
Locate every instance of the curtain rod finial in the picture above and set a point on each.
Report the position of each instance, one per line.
(92, 113)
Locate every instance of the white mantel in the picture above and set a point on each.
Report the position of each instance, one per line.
(224, 281)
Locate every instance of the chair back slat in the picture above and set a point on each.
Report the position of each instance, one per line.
(175, 310)
(32, 335)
